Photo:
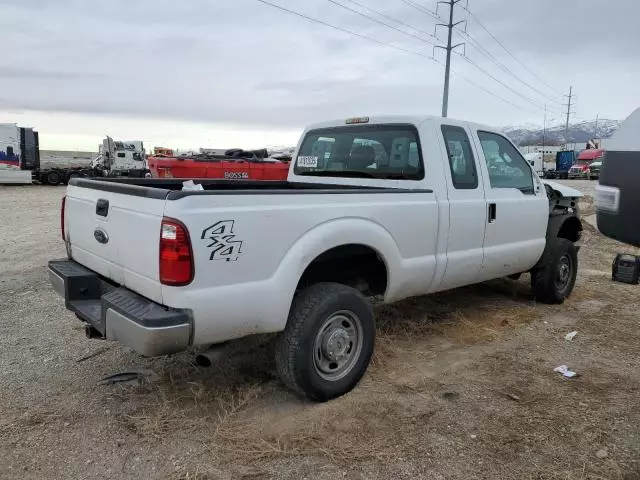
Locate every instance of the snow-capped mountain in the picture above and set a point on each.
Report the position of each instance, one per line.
(578, 132)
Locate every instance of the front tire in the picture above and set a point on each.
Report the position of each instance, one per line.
(327, 344)
(554, 280)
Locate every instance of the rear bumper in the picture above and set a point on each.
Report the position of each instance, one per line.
(119, 314)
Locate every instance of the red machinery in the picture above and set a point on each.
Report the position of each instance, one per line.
(233, 165)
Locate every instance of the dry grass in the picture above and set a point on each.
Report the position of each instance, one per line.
(465, 316)
(319, 430)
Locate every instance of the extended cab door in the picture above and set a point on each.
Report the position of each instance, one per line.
(467, 209)
(517, 209)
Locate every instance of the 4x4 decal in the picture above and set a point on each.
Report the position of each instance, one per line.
(223, 243)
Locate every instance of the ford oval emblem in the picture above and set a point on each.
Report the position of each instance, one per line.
(100, 235)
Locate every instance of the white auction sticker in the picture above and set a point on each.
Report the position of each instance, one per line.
(308, 162)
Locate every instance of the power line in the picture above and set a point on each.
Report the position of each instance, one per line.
(509, 52)
(527, 99)
(502, 66)
(424, 32)
(344, 30)
(480, 87)
(449, 48)
(422, 9)
(381, 22)
(379, 42)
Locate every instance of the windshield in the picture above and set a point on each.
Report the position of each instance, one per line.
(368, 151)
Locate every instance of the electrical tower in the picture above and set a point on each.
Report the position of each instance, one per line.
(447, 69)
(566, 126)
(544, 131)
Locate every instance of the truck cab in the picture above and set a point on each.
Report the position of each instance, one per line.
(120, 158)
(580, 169)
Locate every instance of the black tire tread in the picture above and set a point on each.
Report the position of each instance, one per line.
(288, 343)
(53, 178)
(542, 281)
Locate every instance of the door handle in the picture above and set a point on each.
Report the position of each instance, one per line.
(102, 207)
(492, 213)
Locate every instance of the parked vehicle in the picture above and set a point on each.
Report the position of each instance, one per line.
(594, 169)
(19, 154)
(617, 195)
(536, 162)
(580, 169)
(564, 161)
(388, 206)
(20, 159)
(235, 164)
(119, 159)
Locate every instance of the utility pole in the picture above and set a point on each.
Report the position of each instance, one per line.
(544, 131)
(448, 48)
(566, 127)
(595, 130)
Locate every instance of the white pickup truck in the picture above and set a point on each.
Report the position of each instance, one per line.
(393, 207)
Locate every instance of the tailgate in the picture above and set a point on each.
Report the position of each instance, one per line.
(116, 234)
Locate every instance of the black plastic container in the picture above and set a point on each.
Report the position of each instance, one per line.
(626, 269)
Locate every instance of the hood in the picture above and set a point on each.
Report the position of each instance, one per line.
(563, 190)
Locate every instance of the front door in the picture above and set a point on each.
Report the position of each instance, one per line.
(466, 196)
(517, 209)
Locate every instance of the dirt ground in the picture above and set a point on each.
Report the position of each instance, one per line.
(461, 386)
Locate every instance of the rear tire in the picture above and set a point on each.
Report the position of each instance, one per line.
(72, 175)
(327, 344)
(554, 280)
(53, 178)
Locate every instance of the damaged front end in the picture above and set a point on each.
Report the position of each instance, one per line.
(563, 200)
(564, 215)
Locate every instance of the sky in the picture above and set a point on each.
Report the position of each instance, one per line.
(239, 73)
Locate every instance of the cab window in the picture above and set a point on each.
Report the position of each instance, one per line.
(507, 167)
(461, 161)
(367, 151)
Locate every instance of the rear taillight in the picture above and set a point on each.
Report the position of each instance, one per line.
(62, 205)
(176, 256)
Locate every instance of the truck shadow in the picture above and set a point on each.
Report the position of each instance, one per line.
(465, 315)
(243, 384)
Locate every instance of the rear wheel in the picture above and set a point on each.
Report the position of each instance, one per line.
(327, 344)
(53, 178)
(554, 280)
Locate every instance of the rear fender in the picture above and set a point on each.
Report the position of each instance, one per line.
(336, 233)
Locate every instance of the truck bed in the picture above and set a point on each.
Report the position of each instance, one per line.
(250, 241)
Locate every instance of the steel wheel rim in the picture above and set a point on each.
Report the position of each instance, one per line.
(338, 345)
(564, 273)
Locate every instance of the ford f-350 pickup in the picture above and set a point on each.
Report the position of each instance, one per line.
(384, 206)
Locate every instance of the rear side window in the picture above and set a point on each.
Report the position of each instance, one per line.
(461, 161)
(367, 151)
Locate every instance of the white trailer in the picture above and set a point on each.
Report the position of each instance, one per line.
(19, 153)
